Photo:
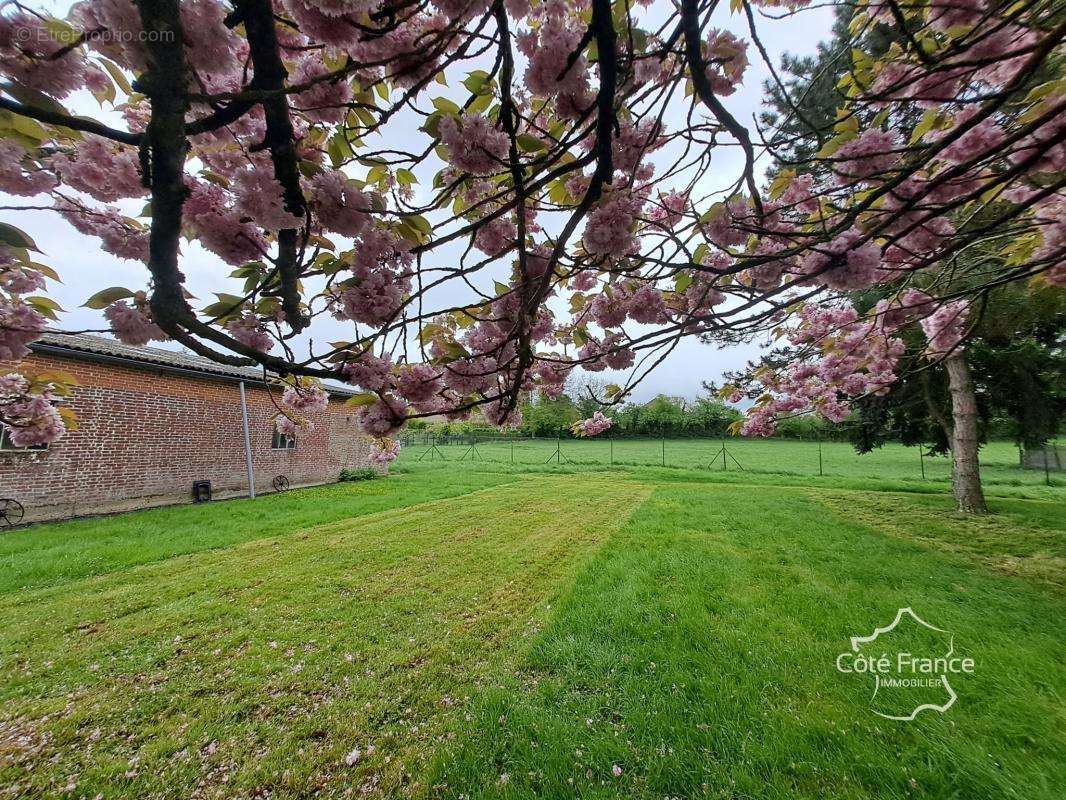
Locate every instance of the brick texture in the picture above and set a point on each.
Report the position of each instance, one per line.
(146, 434)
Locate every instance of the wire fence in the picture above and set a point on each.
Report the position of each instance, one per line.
(1001, 462)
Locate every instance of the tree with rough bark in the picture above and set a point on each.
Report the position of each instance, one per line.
(1017, 364)
(565, 191)
(814, 81)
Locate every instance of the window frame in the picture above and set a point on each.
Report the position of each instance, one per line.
(277, 437)
(7, 446)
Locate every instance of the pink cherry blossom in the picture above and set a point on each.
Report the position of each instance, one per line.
(469, 376)
(978, 141)
(726, 58)
(474, 144)
(250, 331)
(386, 416)
(305, 399)
(594, 425)
(131, 325)
(325, 101)
(339, 206)
(259, 197)
(20, 280)
(289, 427)
(496, 237)
(20, 324)
(497, 414)
(368, 372)
(417, 383)
(18, 175)
(38, 58)
(945, 327)
(33, 421)
(327, 22)
(548, 47)
(384, 451)
(611, 224)
(118, 235)
(872, 154)
(633, 143)
(101, 169)
(669, 209)
(219, 227)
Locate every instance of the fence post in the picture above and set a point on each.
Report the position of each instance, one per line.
(820, 473)
(921, 459)
(609, 439)
(1047, 465)
(512, 451)
(664, 449)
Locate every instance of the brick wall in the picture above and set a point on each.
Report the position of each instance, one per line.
(146, 434)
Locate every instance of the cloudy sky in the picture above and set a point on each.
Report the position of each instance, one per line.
(84, 268)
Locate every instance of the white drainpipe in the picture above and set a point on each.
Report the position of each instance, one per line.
(247, 444)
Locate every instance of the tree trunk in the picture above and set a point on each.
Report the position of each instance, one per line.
(965, 469)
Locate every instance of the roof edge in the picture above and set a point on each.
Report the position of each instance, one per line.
(86, 353)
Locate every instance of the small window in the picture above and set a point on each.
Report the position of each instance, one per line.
(283, 441)
(7, 446)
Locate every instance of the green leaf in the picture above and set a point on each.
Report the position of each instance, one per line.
(476, 81)
(530, 143)
(106, 297)
(429, 331)
(446, 105)
(362, 399)
(30, 128)
(44, 269)
(15, 237)
(925, 124)
(452, 351)
(32, 97)
(421, 224)
(481, 102)
(781, 181)
(432, 124)
(45, 306)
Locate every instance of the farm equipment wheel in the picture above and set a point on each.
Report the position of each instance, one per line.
(11, 512)
(280, 483)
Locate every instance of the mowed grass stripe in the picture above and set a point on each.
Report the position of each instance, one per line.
(55, 553)
(261, 665)
(1024, 538)
(697, 654)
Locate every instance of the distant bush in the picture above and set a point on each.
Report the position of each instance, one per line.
(364, 474)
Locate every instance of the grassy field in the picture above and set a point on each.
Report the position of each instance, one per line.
(528, 632)
(999, 460)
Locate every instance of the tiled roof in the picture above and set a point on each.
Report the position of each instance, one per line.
(104, 348)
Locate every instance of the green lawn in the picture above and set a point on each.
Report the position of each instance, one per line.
(999, 460)
(521, 633)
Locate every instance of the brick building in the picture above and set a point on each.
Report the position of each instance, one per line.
(152, 421)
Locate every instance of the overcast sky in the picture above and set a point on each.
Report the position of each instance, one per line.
(84, 268)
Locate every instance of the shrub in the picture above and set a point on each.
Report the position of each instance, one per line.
(364, 474)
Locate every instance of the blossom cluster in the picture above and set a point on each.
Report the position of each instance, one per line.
(317, 200)
(593, 426)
